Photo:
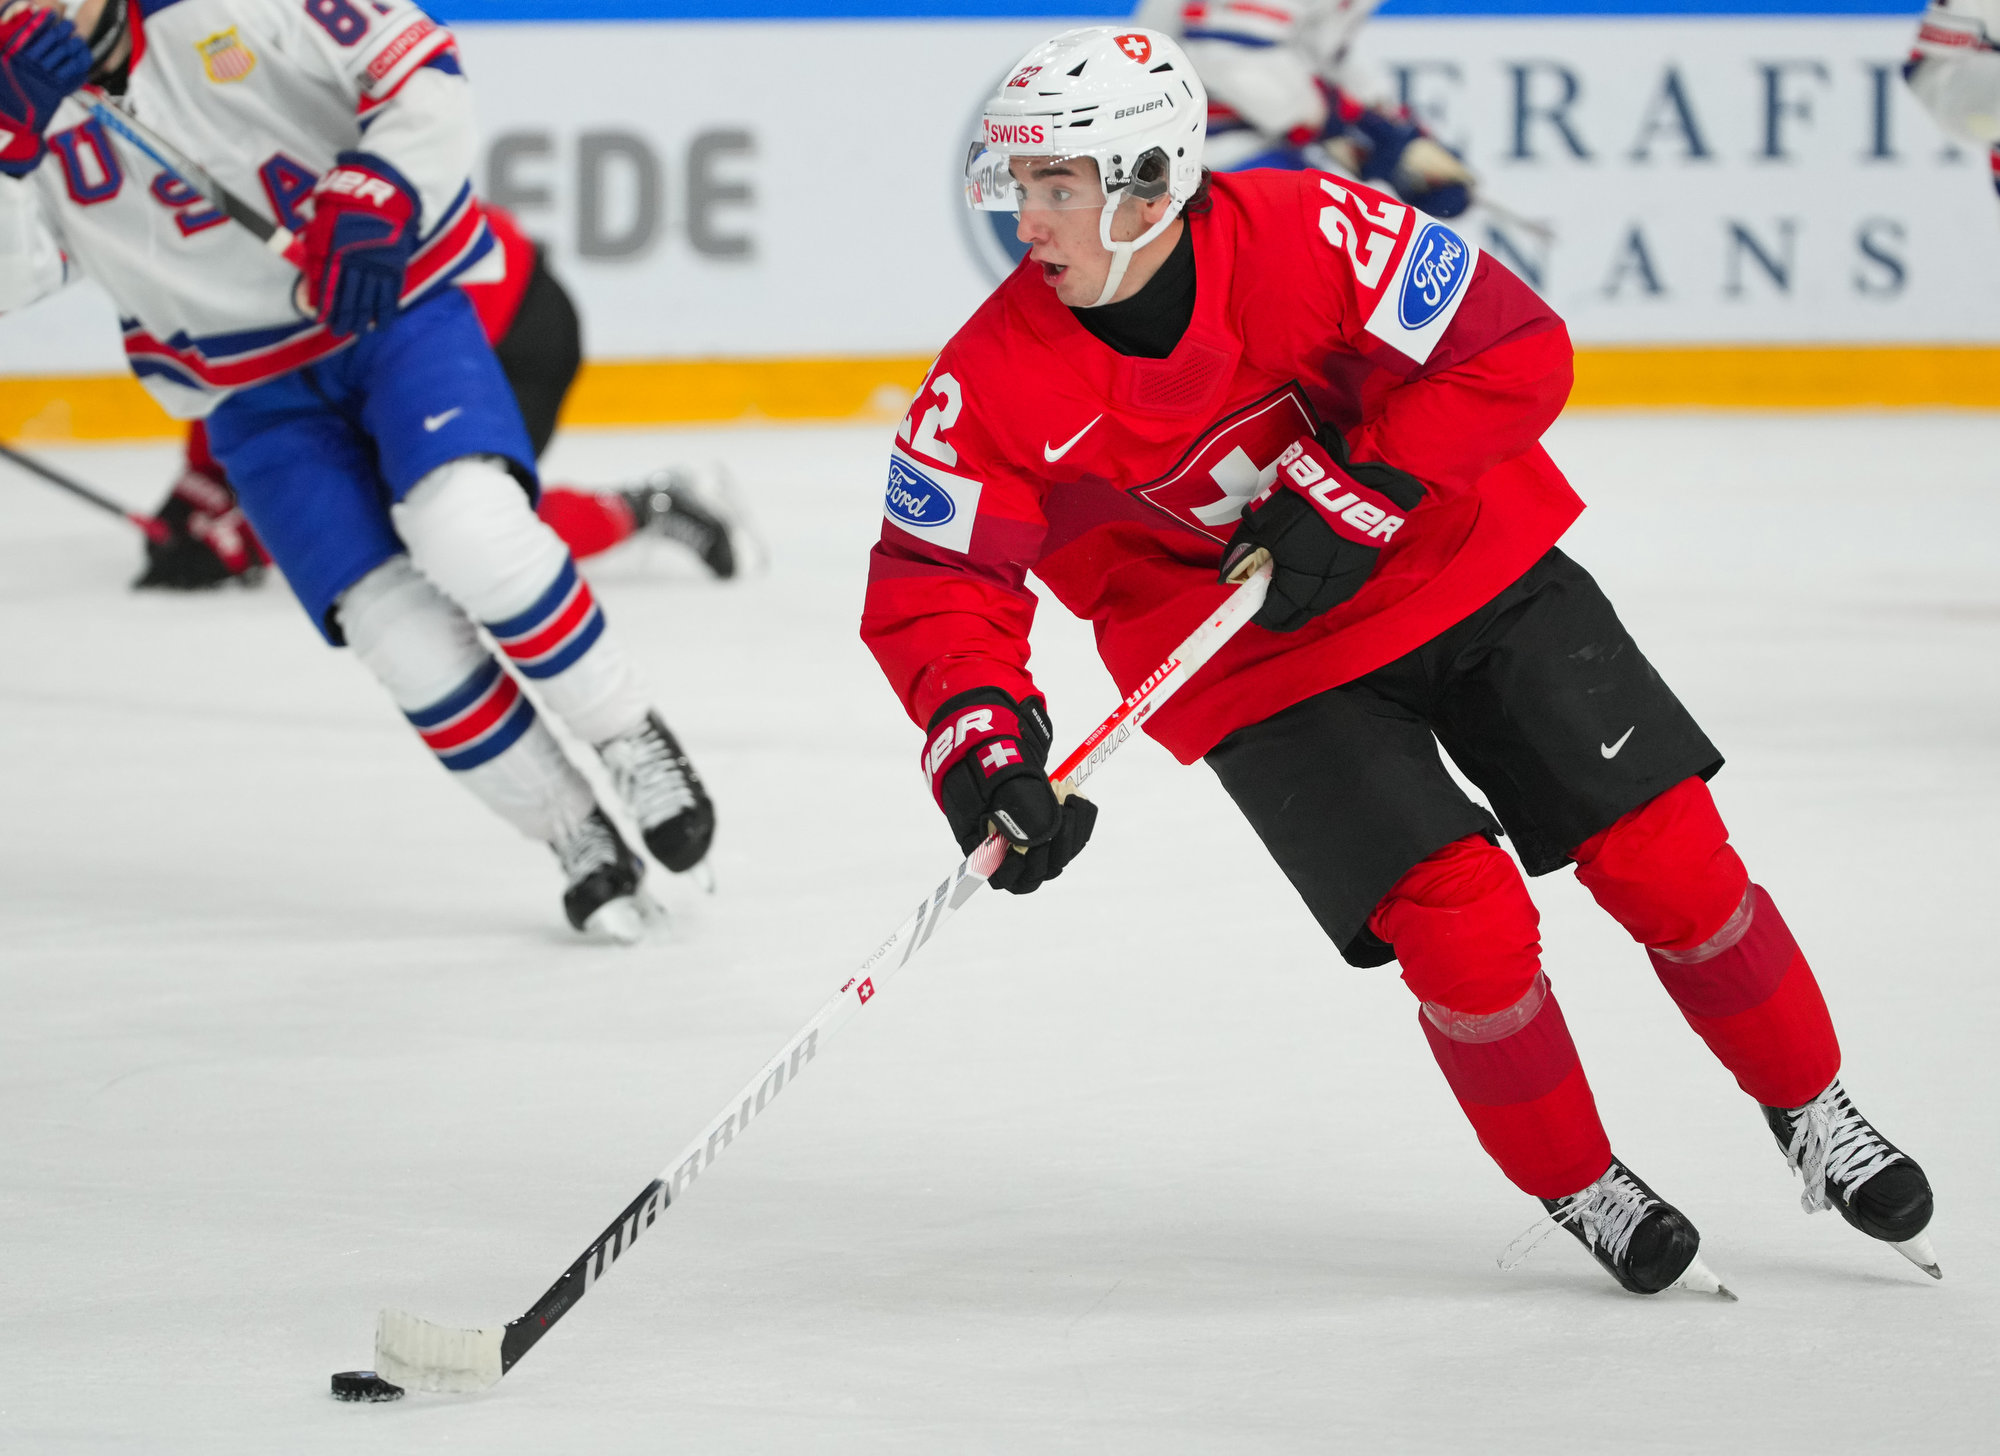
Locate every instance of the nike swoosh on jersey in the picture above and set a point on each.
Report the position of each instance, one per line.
(1052, 455)
(434, 423)
(1610, 750)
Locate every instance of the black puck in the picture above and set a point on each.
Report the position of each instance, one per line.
(364, 1385)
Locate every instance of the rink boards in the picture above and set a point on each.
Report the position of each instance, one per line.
(761, 217)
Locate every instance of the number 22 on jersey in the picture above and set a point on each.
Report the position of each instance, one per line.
(934, 421)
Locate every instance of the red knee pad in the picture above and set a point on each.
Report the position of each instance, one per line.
(587, 523)
(1464, 929)
(1666, 871)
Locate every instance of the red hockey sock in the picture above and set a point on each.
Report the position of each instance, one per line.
(1468, 938)
(1667, 874)
(587, 522)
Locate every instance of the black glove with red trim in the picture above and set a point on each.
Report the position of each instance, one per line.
(987, 758)
(1325, 522)
(208, 541)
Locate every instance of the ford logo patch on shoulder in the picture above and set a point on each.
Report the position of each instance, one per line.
(931, 504)
(915, 499)
(1440, 262)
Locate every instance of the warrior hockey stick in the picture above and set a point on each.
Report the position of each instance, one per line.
(272, 235)
(155, 530)
(414, 1352)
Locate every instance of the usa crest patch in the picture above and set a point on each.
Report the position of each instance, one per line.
(225, 57)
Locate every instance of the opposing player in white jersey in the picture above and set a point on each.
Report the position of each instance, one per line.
(347, 387)
(1285, 90)
(1955, 71)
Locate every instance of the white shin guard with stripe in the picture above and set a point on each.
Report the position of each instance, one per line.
(463, 704)
(471, 530)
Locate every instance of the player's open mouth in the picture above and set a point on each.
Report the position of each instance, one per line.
(1052, 273)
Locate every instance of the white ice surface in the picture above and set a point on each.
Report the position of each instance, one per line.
(291, 1030)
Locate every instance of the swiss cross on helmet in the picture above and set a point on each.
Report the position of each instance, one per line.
(1127, 99)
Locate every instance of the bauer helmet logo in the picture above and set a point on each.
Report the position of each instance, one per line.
(916, 500)
(1438, 269)
(1137, 47)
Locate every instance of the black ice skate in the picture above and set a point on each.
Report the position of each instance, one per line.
(1849, 1166)
(1643, 1242)
(666, 504)
(603, 895)
(664, 793)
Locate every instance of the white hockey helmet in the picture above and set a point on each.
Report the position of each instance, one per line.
(1127, 99)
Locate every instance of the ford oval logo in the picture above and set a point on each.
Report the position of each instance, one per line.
(1438, 269)
(917, 500)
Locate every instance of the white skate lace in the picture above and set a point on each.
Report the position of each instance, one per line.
(587, 847)
(649, 775)
(1608, 1211)
(1831, 1141)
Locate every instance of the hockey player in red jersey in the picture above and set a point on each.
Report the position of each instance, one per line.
(529, 320)
(1190, 367)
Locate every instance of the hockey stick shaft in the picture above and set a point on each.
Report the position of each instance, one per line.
(1506, 216)
(272, 235)
(409, 1351)
(155, 530)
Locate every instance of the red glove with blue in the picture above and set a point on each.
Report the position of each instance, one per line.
(42, 60)
(356, 247)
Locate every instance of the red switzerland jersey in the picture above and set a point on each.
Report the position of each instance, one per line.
(1033, 446)
(497, 302)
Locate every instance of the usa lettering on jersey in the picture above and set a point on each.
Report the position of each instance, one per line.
(207, 308)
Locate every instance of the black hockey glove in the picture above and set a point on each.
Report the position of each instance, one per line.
(987, 758)
(208, 541)
(1324, 522)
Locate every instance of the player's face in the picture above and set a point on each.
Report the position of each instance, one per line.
(1061, 201)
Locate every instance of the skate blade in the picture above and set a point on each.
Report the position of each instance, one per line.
(1919, 1252)
(1698, 1278)
(701, 876)
(624, 921)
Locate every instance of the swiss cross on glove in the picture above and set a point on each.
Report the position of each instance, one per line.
(42, 60)
(1325, 522)
(986, 757)
(355, 248)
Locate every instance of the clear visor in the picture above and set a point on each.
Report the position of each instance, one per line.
(997, 182)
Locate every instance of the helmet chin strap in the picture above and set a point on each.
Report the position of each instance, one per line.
(1121, 253)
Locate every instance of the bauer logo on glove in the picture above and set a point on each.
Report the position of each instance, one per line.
(1325, 521)
(356, 247)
